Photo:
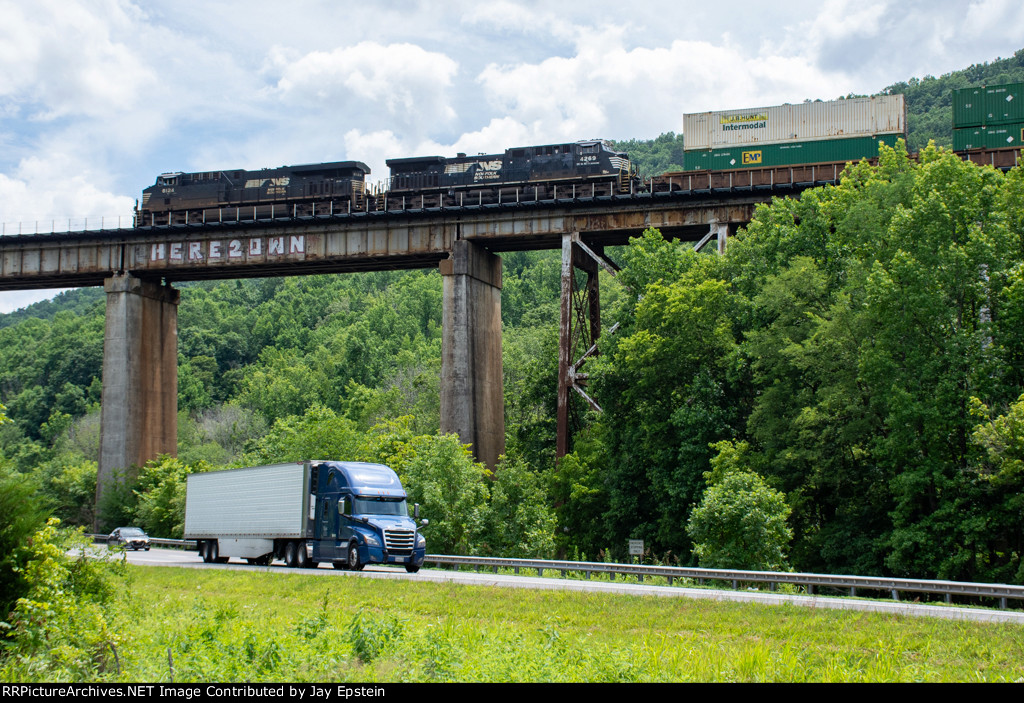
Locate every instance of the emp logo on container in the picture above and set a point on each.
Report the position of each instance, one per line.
(751, 157)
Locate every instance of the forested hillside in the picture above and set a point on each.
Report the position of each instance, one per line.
(848, 377)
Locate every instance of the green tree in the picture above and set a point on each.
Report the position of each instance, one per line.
(740, 522)
(21, 515)
(160, 493)
(1000, 465)
(664, 383)
(517, 521)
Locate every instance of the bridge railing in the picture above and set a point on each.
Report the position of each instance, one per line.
(67, 224)
(737, 578)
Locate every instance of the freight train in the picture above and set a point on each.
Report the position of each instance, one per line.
(587, 167)
(768, 147)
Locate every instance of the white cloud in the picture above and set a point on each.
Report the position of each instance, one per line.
(408, 84)
(33, 198)
(507, 16)
(63, 58)
(608, 91)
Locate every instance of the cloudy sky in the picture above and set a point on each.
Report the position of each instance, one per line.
(97, 97)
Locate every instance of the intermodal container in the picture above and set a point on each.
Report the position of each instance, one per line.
(996, 136)
(968, 107)
(987, 105)
(805, 122)
(786, 154)
(1004, 104)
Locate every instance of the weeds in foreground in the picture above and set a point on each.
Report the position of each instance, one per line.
(231, 626)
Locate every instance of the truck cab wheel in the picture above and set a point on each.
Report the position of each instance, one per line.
(412, 568)
(353, 557)
(289, 554)
(301, 558)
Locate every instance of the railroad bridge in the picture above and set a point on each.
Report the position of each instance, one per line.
(139, 266)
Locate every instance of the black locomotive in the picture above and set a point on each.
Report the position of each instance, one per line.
(271, 192)
(579, 162)
(588, 168)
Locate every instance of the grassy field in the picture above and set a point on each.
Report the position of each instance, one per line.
(229, 626)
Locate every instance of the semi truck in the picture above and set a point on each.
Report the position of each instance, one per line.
(345, 513)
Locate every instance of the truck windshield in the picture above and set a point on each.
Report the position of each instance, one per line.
(380, 506)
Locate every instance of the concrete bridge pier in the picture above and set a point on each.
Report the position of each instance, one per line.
(139, 415)
(472, 397)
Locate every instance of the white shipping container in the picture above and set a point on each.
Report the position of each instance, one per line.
(857, 117)
(262, 501)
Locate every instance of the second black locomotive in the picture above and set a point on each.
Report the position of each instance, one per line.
(574, 162)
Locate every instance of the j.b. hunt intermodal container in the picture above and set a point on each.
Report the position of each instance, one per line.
(995, 136)
(988, 105)
(789, 134)
(787, 154)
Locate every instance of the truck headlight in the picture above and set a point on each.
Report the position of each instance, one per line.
(371, 541)
(420, 541)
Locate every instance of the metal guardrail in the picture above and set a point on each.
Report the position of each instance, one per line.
(153, 541)
(850, 584)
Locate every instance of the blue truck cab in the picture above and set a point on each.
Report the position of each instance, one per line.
(361, 517)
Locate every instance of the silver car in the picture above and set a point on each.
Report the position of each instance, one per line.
(128, 537)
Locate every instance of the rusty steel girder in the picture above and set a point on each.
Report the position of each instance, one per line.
(580, 328)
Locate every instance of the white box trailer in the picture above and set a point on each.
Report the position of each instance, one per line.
(245, 510)
(802, 122)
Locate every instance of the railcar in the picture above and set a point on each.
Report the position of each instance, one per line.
(181, 198)
(584, 168)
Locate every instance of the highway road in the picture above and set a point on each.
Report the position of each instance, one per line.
(184, 559)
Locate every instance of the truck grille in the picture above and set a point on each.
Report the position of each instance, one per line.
(399, 541)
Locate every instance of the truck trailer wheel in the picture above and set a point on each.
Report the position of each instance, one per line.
(353, 557)
(214, 552)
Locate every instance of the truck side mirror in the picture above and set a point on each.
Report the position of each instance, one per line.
(342, 507)
(416, 510)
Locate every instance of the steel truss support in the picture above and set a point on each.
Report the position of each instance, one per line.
(579, 330)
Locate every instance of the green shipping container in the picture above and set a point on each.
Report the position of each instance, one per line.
(998, 136)
(968, 107)
(1004, 104)
(988, 105)
(786, 154)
